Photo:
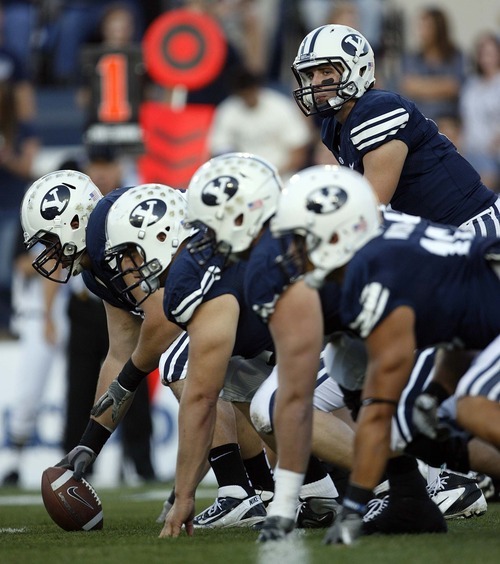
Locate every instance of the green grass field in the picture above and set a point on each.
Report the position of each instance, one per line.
(130, 534)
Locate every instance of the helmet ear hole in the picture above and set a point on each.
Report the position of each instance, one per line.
(238, 221)
(334, 239)
(75, 223)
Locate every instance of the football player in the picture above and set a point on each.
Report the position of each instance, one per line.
(204, 295)
(268, 283)
(405, 284)
(66, 213)
(385, 137)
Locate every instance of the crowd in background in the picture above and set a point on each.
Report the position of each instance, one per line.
(41, 44)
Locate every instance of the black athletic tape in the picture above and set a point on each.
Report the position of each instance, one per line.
(370, 401)
(130, 377)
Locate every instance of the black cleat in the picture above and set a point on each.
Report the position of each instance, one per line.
(317, 512)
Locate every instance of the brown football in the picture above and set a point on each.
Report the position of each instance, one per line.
(72, 504)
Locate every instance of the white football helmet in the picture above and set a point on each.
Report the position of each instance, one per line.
(147, 220)
(335, 209)
(55, 212)
(233, 194)
(337, 45)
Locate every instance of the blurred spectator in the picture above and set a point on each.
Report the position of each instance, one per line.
(78, 21)
(432, 76)
(451, 126)
(480, 110)
(366, 14)
(40, 322)
(263, 121)
(345, 13)
(19, 145)
(47, 35)
(115, 41)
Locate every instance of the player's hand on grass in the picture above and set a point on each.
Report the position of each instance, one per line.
(78, 460)
(181, 514)
(115, 396)
(346, 529)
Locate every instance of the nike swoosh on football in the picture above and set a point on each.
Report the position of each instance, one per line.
(72, 492)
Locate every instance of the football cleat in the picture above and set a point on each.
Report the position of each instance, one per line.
(484, 482)
(375, 507)
(275, 528)
(393, 515)
(266, 497)
(229, 511)
(457, 496)
(316, 512)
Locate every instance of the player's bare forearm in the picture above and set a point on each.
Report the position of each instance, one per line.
(196, 428)
(196, 424)
(371, 445)
(298, 348)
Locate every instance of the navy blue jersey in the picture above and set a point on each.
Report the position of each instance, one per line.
(188, 285)
(443, 274)
(436, 181)
(97, 279)
(267, 278)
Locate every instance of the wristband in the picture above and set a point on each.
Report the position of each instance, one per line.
(357, 498)
(130, 377)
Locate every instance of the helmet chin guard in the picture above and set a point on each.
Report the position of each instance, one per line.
(144, 229)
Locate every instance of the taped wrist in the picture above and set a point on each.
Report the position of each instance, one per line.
(130, 377)
(95, 436)
(356, 499)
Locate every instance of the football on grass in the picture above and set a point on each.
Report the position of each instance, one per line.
(72, 504)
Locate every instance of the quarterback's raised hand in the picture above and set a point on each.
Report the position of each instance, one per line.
(181, 514)
(116, 396)
(78, 460)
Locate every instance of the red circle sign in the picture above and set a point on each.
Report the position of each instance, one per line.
(184, 48)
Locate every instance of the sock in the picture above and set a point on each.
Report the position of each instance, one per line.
(322, 488)
(315, 470)
(228, 467)
(286, 495)
(405, 479)
(340, 477)
(432, 474)
(260, 472)
(95, 436)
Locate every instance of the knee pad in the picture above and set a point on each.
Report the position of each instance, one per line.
(262, 404)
